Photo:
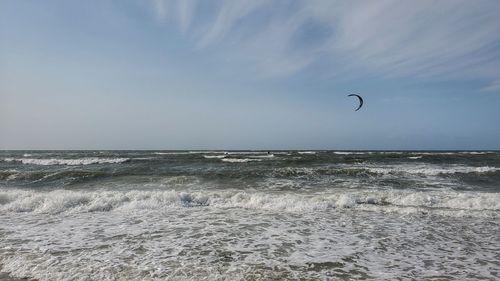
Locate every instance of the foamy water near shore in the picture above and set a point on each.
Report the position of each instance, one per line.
(249, 215)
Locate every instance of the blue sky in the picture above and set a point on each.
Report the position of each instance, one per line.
(160, 74)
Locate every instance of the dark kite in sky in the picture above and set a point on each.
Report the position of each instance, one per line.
(360, 100)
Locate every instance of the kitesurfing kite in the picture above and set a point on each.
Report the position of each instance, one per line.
(360, 100)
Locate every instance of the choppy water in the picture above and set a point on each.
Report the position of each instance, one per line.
(250, 215)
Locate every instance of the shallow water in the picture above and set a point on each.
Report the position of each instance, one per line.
(226, 215)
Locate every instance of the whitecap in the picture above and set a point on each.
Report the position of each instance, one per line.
(69, 162)
(350, 153)
(171, 153)
(307, 152)
(59, 201)
(262, 156)
(239, 160)
(214, 156)
(430, 170)
(245, 152)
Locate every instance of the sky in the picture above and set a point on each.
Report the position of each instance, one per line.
(249, 74)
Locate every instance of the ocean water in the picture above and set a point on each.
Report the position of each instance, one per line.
(249, 215)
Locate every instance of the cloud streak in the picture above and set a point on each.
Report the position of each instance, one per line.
(440, 39)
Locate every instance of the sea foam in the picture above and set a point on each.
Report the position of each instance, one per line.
(214, 156)
(430, 170)
(240, 160)
(69, 162)
(59, 201)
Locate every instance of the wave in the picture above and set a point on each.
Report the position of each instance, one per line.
(239, 160)
(454, 153)
(245, 152)
(430, 170)
(415, 157)
(262, 156)
(9, 174)
(214, 156)
(351, 152)
(59, 201)
(69, 162)
(307, 152)
(361, 170)
(186, 152)
(38, 176)
(311, 172)
(210, 152)
(171, 153)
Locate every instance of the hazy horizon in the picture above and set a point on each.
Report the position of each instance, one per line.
(249, 75)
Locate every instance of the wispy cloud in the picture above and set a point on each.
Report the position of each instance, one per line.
(494, 86)
(160, 7)
(420, 38)
(180, 12)
(226, 18)
(185, 11)
(440, 39)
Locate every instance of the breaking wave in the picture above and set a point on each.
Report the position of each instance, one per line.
(430, 170)
(58, 201)
(214, 156)
(307, 152)
(262, 156)
(240, 160)
(365, 170)
(69, 162)
(37, 176)
(351, 153)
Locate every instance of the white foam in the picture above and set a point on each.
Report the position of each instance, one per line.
(171, 153)
(70, 162)
(436, 153)
(214, 156)
(294, 171)
(415, 157)
(234, 235)
(239, 160)
(189, 152)
(91, 201)
(245, 245)
(12, 177)
(429, 170)
(307, 152)
(245, 152)
(350, 153)
(262, 156)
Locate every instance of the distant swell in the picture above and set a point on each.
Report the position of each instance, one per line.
(69, 162)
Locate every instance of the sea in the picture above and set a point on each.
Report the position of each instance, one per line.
(250, 215)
